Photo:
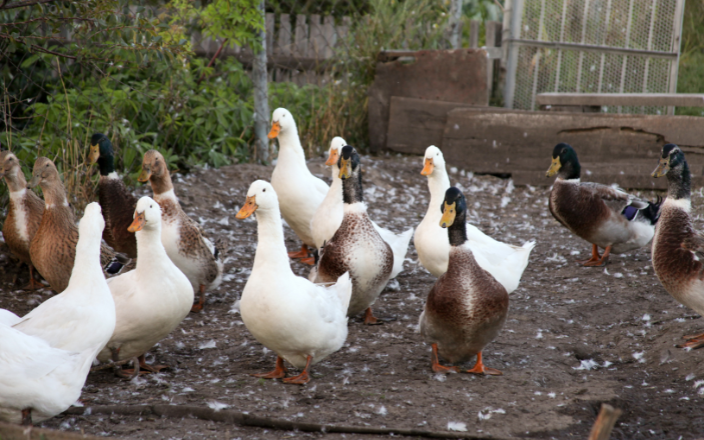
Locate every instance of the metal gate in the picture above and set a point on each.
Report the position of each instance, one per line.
(592, 46)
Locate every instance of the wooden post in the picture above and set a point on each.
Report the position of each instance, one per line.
(261, 95)
(474, 26)
(283, 45)
(604, 422)
(300, 47)
(493, 39)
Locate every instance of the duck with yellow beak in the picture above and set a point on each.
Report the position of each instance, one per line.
(356, 247)
(183, 239)
(300, 192)
(467, 307)
(607, 217)
(677, 246)
(301, 322)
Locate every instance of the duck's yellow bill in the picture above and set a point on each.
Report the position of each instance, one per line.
(144, 175)
(138, 222)
(275, 130)
(345, 168)
(662, 169)
(94, 154)
(428, 167)
(250, 205)
(448, 215)
(332, 158)
(554, 167)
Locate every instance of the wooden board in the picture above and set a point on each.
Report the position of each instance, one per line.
(444, 75)
(621, 149)
(623, 99)
(415, 124)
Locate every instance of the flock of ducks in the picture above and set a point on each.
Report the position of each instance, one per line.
(129, 273)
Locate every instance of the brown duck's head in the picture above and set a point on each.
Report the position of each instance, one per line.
(9, 164)
(674, 166)
(153, 165)
(44, 173)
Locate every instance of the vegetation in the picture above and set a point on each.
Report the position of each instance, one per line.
(690, 78)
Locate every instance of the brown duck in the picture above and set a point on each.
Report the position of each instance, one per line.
(467, 307)
(117, 203)
(53, 247)
(23, 214)
(183, 239)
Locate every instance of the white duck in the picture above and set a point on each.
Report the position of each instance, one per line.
(504, 262)
(300, 192)
(151, 300)
(302, 322)
(38, 381)
(328, 217)
(83, 315)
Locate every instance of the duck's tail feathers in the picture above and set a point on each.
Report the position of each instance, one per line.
(343, 288)
(652, 212)
(529, 245)
(399, 246)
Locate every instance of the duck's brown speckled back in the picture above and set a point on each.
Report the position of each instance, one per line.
(118, 206)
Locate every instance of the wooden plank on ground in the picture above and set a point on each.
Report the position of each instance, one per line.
(415, 124)
(623, 99)
(620, 149)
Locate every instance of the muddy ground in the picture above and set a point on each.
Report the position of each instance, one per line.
(575, 337)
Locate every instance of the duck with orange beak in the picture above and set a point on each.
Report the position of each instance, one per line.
(300, 192)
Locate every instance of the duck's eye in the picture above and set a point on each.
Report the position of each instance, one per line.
(150, 206)
(264, 190)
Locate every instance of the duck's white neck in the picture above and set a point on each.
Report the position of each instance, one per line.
(336, 186)
(355, 208)
(271, 252)
(86, 266)
(150, 250)
(290, 148)
(438, 183)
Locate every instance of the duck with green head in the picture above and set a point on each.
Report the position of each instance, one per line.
(117, 203)
(607, 217)
(678, 249)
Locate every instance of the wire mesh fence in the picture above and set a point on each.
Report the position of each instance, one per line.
(593, 46)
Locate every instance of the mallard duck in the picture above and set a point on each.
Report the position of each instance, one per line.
(151, 300)
(504, 262)
(24, 213)
(328, 216)
(83, 314)
(53, 247)
(677, 247)
(300, 192)
(302, 322)
(467, 307)
(356, 247)
(605, 216)
(37, 380)
(117, 202)
(183, 239)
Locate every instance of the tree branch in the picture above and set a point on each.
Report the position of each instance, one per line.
(51, 52)
(212, 60)
(23, 4)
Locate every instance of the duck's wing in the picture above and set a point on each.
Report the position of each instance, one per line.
(399, 246)
(27, 357)
(613, 197)
(8, 318)
(333, 300)
(56, 320)
(694, 244)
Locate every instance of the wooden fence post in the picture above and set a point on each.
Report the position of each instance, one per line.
(261, 95)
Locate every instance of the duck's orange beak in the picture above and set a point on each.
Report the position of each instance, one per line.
(275, 130)
(249, 207)
(332, 158)
(428, 167)
(138, 222)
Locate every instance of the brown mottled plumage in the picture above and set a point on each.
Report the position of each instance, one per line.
(24, 212)
(53, 248)
(466, 307)
(192, 253)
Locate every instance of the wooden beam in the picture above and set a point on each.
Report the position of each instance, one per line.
(604, 422)
(623, 99)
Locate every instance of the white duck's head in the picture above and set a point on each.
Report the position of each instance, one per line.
(433, 160)
(92, 223)
(147, 215)
(260, 197)
(334, 152)
(282, 122)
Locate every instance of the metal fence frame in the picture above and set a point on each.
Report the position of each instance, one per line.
(512, 41)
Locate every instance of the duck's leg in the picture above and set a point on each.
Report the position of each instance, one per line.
(436, 363)
(278, 373)
(369, 318)
(302, 378)
(308, 260)
(150, 368)
(303, 253)
(595, 256)
(33, 283)
(479, 368)
(693, 342)
(600, 261)
(27, 417)
(117, 369)
(197, 307)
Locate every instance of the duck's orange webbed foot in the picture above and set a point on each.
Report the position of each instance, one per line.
(693, 342)
(436, 363)
(597, 260)
(370, 319)
(308, 260)
(197, 307)
(143, 365)
(302, 378)
(278, 373)
(479, 368)
(303, 253)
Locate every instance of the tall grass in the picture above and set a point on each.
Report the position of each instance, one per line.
(690, 78)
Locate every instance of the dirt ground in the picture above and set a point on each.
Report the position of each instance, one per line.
(575, 337)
